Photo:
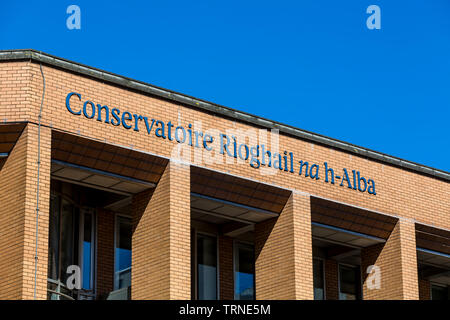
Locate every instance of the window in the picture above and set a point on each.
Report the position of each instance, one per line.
(206, 267)
(122, 272)
(69, 238)
(87, 250)
(244, 288)
(319, 283)
(71, 242)
(439, 292)
(53, 239)
(349, 283)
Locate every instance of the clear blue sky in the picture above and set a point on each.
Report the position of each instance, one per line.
(310, 64)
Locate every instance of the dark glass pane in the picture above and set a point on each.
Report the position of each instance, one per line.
(439, 293)
(53, 239)
(318, 280)
(67, 238)
(244, 273)
(348, 283)
(207, 267)
(123, 253)
(87, 251)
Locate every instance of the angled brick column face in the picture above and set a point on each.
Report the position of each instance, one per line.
(161, 255)
(397, 260)
(18, 217)
(283, 250)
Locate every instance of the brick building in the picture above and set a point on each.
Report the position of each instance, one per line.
(129, 191)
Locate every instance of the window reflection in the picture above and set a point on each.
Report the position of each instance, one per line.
(123, 253)
(319, 291)
(244, 272)
(53, 239)
(87, 251)
(71, 242)
(349, 283)
(206, 267)
(69, 237)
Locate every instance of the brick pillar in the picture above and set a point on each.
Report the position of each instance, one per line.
(226, 268)
(105, 252)
(18, 217)
(161, 255)
(283, 253)
(424, 289)
(331, 279)
(397, 260)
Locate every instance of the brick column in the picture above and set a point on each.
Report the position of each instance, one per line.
(331, 280)
(226, 268)
(105, 252)
(397, 260)
(18, 217)
(161, 255)
(424, 289)
(283, 253)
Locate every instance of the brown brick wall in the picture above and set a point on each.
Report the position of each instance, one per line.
(226, 268)
(161, 260)
(20, 90)
(105, 252)
(331, 279)
(283, 250)
(12, 221)
(424, 289)
(399, 192)
(18, 217)
(398, 265)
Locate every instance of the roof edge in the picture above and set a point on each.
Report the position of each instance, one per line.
(31, 54)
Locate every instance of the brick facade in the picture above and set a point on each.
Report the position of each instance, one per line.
(424, 289)
(18, 217)
(161, 239)
(399, 192)
(161, 260)
(398, 265)
(283, 250)
(226, 276)
(331, 279)
(105, 249)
